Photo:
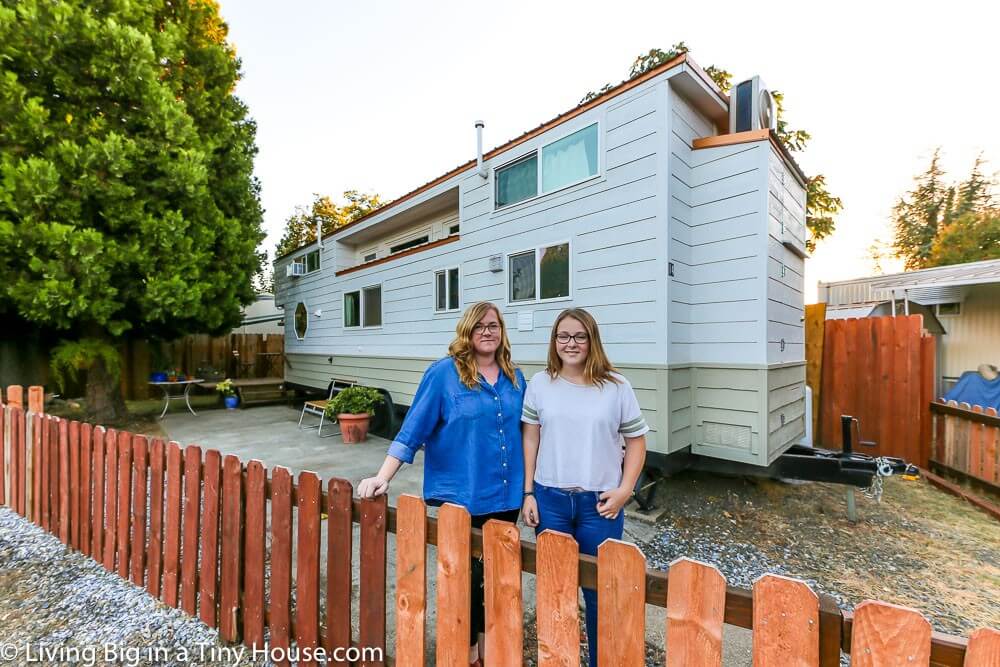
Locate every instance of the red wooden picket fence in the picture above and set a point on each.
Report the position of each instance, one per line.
(967, 441)
(881, 371)
(192, 528)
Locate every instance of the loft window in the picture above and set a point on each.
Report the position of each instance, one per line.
(446, 290)
(412, 243)
(453, 230)
(370, 257)
(363, 308)
(517, 182)
(556, 165)
(570, 159)
(301, 320)
(542, 271)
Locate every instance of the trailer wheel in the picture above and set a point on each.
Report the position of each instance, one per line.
(384, 423)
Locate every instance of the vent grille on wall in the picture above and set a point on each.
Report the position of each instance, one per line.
(727, 435)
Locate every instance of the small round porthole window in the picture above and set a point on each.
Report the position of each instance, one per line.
(301, 320)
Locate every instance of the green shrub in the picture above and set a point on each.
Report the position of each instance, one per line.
(354, 401)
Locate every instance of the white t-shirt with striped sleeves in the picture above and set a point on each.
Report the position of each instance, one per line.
(582, 429)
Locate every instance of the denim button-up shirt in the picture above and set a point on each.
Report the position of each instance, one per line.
(472, 439)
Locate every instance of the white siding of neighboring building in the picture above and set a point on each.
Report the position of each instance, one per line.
(972, 338)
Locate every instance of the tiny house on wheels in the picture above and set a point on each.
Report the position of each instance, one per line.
(664, 207)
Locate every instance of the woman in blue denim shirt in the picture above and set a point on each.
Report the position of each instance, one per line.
(466, 415)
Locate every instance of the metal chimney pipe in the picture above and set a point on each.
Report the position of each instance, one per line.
(479, 149)
(319, 233)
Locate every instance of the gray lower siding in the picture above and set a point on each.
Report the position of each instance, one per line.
(740, 414)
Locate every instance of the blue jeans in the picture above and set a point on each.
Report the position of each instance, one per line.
(575, 513)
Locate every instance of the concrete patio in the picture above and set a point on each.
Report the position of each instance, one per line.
(270, 434)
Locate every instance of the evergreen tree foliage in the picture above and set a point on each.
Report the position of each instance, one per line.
(938, 223)
(127, 202)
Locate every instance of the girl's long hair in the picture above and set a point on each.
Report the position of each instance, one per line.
(462, 351)
(596, 369)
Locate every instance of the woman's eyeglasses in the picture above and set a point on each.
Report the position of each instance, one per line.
(580, 338)
(492, 328)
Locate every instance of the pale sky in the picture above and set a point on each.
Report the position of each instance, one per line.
(382, 96)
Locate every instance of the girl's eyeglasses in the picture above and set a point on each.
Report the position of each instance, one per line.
(580, 338)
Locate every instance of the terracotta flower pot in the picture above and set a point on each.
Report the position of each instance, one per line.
(353, 428)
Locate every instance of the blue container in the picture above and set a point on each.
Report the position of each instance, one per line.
(158, 377)
(232, 402)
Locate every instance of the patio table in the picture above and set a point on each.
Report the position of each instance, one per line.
(167, 396)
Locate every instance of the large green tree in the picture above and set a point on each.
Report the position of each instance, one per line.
(127, 202)
(939, 223)
(821, 206)
(300, 226)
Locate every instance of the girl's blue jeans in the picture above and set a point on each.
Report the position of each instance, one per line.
(575, 513)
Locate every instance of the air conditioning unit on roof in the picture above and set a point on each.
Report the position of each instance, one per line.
(751, 107)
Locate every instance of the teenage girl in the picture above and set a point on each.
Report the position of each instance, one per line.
(576, 414)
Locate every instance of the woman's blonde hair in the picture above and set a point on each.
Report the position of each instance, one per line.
(596, 369)
(464, 354)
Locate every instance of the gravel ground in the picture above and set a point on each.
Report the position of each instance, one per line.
(60, 607)
(921, 548)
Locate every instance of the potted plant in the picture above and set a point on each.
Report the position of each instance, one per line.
(353, 408)
(229, 396)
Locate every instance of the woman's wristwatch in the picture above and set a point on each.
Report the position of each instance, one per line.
(528, 493)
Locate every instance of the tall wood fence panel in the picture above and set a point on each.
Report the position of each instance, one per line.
(879, 370)
(233, 355)
(147, 510)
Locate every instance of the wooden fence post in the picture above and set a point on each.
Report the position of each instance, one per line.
(887, 634)
(556, 605)
(371, 595)
(15, 396)
(36, 399)
(785, 621)
(621, 600)
(453, 601)
(696, 605)
(504, 616)
(338, 565)
(411, 580)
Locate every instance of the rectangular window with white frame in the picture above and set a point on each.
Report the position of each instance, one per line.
(539, 274)
(558, 164)
(446, 290)
(363, 307)
(308, 262)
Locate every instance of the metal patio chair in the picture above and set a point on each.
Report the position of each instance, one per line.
(318, 408)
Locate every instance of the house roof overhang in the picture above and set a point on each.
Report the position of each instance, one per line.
(689, 78)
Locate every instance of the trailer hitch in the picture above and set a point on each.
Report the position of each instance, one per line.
(844, 467)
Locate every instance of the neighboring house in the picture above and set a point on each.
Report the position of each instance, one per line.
(684, 240)
(960, 304)
(262, 317)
